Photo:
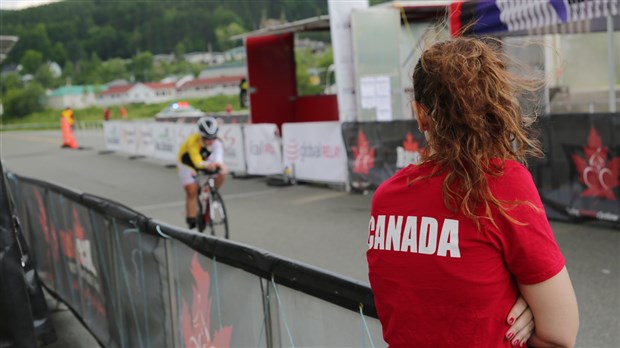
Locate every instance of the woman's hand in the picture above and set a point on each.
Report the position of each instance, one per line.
(521, 323)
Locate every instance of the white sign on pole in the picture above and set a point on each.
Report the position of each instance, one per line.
(340, 26)
(231, 136)
(262, 149)
(315, 151)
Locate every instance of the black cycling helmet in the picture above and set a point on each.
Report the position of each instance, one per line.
(207, 127)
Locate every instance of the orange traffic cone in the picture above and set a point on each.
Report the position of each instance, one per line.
(68, 139)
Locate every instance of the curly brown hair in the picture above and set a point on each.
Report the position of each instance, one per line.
(471, 99)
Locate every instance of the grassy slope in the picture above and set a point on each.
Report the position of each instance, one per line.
(49, 117)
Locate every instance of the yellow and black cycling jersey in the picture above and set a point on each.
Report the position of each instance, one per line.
(194, 154)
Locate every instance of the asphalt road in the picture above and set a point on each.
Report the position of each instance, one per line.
(317, 225)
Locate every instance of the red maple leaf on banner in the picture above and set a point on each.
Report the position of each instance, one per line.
(49, 236)
(363, 154)
(196, 323)
(409, 144)
(599, 176)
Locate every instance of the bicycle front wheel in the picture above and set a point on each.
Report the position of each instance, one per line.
(218, 221)
(202, 217)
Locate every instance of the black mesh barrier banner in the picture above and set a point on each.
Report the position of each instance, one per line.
(582, 177)
(138, 286)
(579, 177)
(136, 282)
(42, 239)
(376, 150)
(216, 305)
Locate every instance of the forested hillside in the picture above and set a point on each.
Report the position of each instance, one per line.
(72, 30)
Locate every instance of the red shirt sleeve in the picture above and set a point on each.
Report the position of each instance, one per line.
(529, 247)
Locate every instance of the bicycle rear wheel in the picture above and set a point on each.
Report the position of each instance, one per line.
(218, 223)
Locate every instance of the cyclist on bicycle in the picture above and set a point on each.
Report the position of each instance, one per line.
(202, 150)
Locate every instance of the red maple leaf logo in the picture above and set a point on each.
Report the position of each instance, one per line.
(364, 155)
(196, 323)
(599, 176)
(49, 236)
(411, 145)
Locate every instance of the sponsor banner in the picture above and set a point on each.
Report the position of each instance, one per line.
(315, 151)
(41, 233)
(137, 278)
(66, 270)
(306, 306)
(583, 167)
(376, 150)
(164, 141)
(112, 136)
(137, 282)
(262, 149)
(129, 138)
(578, 178)
(220, 306)
(89, 268)
(231, 136)
(145, 145)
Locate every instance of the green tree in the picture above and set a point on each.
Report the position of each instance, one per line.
(23, 101)
(140, 66)
(224, 33)
(10, 81)
(113, 69)
(179, 51)
(68, 73)
(31, 60)
(59, 54)
(31, 39)
(45, 77)
(87, 71)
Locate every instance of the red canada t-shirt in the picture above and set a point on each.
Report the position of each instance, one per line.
(438, 281)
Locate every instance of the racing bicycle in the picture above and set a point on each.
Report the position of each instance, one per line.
(211, 209)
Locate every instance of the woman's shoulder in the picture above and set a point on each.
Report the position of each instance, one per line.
(404, 176)
(514, 170)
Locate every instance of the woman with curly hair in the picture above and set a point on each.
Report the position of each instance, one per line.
(455, 240)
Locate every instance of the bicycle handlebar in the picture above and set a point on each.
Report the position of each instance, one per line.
(209, 172)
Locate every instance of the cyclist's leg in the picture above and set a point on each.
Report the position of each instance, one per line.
(187, 176)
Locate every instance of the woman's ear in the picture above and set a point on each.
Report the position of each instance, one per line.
(421, 116)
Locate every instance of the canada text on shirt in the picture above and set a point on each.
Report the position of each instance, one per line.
(405, 234)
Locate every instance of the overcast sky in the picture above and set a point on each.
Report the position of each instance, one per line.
(19, 4)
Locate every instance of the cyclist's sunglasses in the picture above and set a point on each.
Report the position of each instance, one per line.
(209, 138)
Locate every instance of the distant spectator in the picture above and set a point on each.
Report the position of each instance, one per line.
(67, 113)
(123, 112)
(243, 93)
(106, 114)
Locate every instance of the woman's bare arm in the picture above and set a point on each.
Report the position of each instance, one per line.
(554, 306)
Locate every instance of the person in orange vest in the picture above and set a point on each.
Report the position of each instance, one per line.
(67, 125)
(123, 112)
(67, 113)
